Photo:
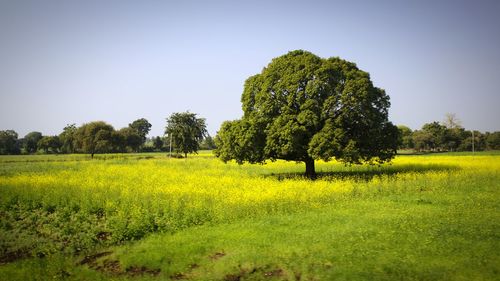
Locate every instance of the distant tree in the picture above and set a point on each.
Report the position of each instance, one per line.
(480, 141)
(51, 143)
(453, 132)
(437, 134)
(95, 137)
(67, 138)
(493, 141)
(31, 141)
(118, 142)
(9, 142)
(302, 107)
(405, 137)
(207, 143)
(422, 140)
(158, 143)
(133, 139)
(453, 138)
(142, 127)
(43, 144)
(451, 121)
(186, 131)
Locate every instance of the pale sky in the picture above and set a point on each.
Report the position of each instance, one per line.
(64, 62)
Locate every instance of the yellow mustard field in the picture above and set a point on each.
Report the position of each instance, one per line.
(129, 197)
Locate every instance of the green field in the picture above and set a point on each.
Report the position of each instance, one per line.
(148, 217)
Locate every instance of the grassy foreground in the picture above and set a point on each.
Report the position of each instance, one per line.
(146, 217)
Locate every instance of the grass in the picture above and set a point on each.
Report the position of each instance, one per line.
(424, 217)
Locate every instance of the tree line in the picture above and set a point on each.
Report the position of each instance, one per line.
(448, 135)
(187, 132)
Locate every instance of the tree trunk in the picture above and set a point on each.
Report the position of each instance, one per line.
(310, 171)
(185, 155)
(92, 155)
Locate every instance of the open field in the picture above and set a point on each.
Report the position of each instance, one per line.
(147, 217)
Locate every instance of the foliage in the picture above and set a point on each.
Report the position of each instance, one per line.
(9, 142)
(493, 141)
(142, 127)
(51, 143)
(131, 139)
(158, 143)
(31, 141)
(302, 107)
(67, 138)
(95, 137)
(186, 131)
(405, 137)
(207, 143)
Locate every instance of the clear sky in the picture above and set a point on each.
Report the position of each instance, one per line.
(65, 62)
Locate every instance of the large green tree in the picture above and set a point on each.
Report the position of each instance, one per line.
(302, 107)
(186, 132)
(95, 137)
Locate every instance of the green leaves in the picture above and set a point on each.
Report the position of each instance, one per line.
(186, 131)
(302, 107)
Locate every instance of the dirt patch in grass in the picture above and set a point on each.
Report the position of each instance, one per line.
(274, 273)
(244, 273)
(141, 270)
(178, 276)
(13, 256)
(103, 236)
(91, 259)
(193, 266)
(217, 256)
(109, 266)
(113, 267)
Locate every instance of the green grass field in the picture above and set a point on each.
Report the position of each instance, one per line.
(148, 217)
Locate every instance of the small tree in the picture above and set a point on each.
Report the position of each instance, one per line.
(451, 121)
(186, 131)
(302, 107)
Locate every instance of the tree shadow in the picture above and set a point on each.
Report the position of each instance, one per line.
(365, 173)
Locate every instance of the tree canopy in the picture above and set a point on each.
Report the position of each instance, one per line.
(47, 143)
(142, 127)
(67, 138)
(9, 142)
(186, 131)
(302, 107)
(95, 137)
(31, 141)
